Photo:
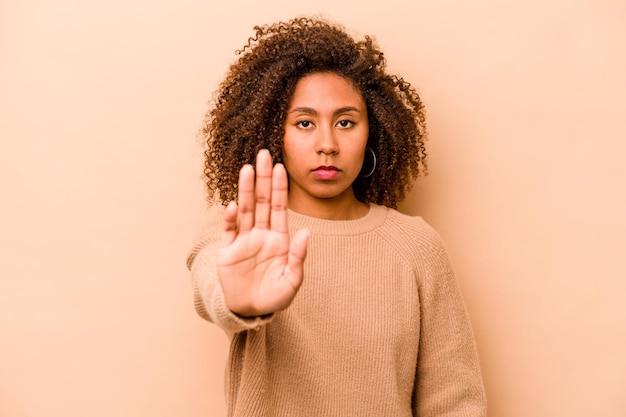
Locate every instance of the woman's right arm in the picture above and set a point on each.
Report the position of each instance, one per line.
(254, 269)
(209, 300)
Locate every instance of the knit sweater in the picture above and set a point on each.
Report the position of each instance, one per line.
(378, 327)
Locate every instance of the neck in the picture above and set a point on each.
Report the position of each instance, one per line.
(330, 209)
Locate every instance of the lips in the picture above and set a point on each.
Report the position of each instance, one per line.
(326, 172)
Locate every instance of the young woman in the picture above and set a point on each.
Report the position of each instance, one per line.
(335, 303)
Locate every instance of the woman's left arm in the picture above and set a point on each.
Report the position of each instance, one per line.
(448, 378)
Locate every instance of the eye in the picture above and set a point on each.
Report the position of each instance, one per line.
(304, 124)
(345, 123)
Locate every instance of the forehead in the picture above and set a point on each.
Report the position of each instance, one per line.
(325, 89)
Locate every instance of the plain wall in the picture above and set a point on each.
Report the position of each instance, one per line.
(101, 194)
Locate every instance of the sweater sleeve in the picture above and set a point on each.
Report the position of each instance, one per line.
(208, 295)
(448, 381)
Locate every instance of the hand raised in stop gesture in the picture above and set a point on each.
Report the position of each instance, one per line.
(258, 265)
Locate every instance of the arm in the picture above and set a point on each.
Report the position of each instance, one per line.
(448, 380)
(208, 295)
(254, 269)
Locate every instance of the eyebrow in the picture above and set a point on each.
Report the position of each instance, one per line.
(313, 112)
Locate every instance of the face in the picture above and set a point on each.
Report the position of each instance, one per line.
(326, 132)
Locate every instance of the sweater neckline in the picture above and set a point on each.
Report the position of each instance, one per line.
(374, 218)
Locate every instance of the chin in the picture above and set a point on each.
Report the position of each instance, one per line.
(329, 196)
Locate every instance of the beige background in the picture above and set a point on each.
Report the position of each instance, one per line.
(101, 193)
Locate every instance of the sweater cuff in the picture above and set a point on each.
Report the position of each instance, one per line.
(229, 321)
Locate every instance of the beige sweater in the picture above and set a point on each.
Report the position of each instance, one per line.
(378, 327)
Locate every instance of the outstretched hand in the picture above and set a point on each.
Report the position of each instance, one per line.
(259, 267)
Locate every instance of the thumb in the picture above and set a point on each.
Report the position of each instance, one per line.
(296, 256)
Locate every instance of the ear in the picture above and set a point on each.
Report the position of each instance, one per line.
(369, 163)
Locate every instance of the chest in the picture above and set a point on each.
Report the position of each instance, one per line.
(364, 293)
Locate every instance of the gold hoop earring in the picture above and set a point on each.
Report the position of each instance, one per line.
(369, 174)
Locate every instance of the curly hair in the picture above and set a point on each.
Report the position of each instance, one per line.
(249, 109)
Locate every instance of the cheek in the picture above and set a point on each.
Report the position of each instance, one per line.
(294, 147)
(359, 141)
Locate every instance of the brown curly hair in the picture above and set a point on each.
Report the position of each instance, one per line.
(250, 107)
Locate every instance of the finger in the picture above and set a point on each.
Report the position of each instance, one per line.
(279, 199)
(230, 224)
(263, 189)
(246, 199)
(295, 258)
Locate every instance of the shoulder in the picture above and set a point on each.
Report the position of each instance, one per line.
(413, 237)
(410, 229)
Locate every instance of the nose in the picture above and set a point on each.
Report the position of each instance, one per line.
(326, 142)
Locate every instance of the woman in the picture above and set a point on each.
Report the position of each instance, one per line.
(335, 303)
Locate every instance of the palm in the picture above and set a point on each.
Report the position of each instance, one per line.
(259, 267)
